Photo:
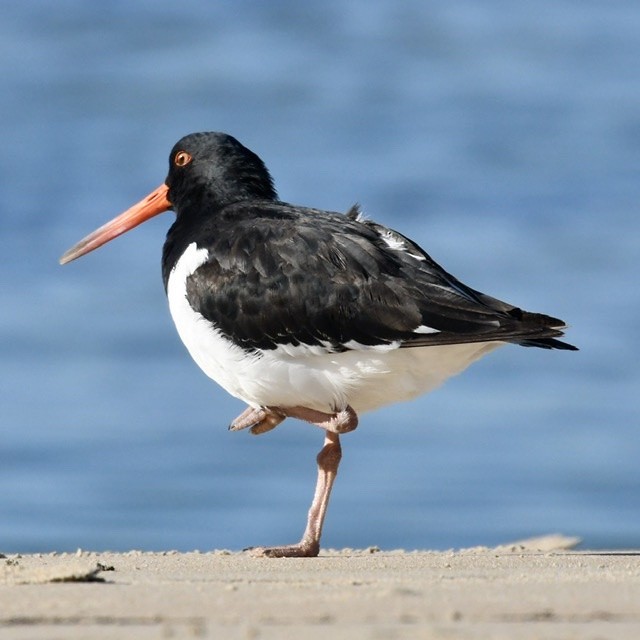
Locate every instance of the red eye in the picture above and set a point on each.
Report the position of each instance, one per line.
(182, 159)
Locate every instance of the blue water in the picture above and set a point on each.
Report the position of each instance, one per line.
(504, 137)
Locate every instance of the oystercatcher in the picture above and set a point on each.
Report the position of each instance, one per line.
(306, 313)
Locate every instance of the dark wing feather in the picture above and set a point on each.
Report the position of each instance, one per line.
(473, 310)
(284, 275)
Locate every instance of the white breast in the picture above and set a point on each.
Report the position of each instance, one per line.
(311, 376)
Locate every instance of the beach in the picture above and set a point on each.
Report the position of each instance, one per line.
(531, 589)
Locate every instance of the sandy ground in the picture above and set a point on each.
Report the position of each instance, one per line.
(532, 589)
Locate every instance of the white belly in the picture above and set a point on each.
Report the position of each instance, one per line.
(308, 376)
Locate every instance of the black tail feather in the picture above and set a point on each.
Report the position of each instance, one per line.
(547, 343)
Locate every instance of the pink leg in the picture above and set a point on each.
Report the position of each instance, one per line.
(309, 546)
(266, 418)
(339, 422)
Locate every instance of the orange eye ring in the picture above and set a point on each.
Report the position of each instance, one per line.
(182, 158)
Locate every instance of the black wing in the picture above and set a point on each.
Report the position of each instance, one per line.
(278, 274)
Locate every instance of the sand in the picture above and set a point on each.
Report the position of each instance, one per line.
(532, 589)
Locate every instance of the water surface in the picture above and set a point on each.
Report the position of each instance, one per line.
(504, 140)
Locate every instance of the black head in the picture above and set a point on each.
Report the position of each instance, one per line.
(206, 171)
(215, 169)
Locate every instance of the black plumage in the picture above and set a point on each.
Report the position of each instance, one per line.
(283, 274)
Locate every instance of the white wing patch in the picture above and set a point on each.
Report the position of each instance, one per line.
(424, 329)
(352, 345)
(397, 243)
(393, 241)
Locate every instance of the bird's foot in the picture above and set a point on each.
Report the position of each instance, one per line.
(258, 420)
(338, 422)
(301, 550)
(264, 419)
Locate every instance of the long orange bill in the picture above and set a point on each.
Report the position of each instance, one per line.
(156, 202)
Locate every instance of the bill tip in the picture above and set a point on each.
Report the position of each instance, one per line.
(65, 258)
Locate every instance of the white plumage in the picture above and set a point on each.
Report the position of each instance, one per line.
(363, 377)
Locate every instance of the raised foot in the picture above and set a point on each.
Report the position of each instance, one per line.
(339, 422)
(257, 420)
(299, 550)
(262, 419)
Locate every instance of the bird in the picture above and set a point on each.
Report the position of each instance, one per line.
(304, 313)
